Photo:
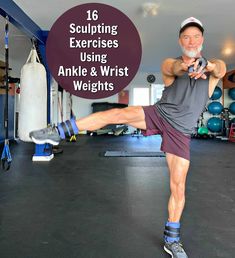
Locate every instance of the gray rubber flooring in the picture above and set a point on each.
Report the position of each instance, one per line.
(82, 204)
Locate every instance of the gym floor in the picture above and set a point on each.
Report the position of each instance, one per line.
(84, 205)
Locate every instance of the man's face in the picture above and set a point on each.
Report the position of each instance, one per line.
(191, 40)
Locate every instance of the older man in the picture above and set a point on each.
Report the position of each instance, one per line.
(189, 81)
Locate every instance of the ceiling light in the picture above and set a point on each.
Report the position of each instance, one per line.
(227, 51)
(228, 47)
(150, 9)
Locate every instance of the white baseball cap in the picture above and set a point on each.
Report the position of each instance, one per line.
(191, 21)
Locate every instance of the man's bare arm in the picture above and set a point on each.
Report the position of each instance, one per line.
(173, 67)
(217, 68)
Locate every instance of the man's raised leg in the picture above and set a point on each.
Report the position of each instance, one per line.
(133, 116)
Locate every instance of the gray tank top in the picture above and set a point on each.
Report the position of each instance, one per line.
(183, 101)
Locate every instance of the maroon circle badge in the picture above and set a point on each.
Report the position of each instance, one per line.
(93, 51)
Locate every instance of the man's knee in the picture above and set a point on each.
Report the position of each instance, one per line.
(178, 189)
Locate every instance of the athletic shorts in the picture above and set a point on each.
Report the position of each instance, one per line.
(173, 141)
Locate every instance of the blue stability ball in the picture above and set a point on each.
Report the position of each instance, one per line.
(231, 93)
(214, 124)
(217, 93)
(232, 108)
(215, 107)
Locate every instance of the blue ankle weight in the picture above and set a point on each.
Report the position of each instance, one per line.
(172, 232)
(68, 128)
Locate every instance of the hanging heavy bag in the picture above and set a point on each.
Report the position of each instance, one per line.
(33, 97)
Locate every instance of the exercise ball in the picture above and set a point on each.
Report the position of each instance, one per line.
(232, 108)
(214, 124)
(202, 130)
(215, 107)
(217, 93)
(231, 93)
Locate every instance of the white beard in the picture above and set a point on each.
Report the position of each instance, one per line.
(192, 53)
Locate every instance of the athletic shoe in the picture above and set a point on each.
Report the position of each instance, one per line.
(46, 135)
(175, 249)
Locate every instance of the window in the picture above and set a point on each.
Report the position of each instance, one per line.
(156, 92)
(141, 96)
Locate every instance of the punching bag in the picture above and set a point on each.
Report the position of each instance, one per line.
(33, 97)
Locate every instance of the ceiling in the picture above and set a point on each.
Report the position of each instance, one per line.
(159, 34)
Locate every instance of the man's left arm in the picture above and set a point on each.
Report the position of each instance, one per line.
(216, 68)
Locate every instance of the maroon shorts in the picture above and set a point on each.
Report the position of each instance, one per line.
(173, 141)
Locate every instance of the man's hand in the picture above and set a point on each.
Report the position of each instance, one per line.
(199, 67)
(180, 67)
(185, 66)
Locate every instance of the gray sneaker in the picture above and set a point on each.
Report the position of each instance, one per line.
(175, 249)
(46, 135)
